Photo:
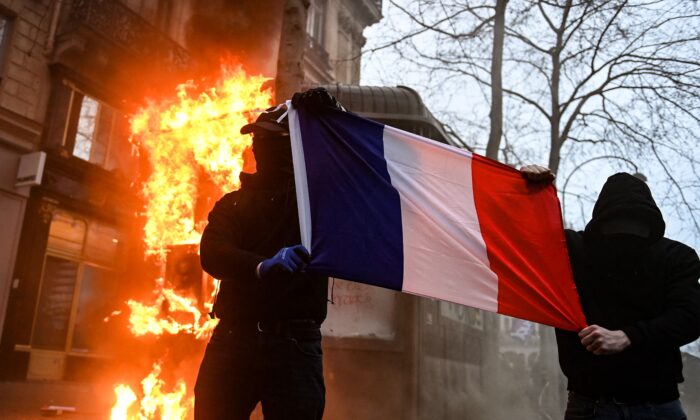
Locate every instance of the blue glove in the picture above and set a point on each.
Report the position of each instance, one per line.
(287, 260)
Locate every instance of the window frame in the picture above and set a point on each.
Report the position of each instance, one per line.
(69, 122)
(317, 8)
(9, 17)
(81, 260)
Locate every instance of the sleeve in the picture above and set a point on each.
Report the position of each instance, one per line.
(679, 323)
(221, 252)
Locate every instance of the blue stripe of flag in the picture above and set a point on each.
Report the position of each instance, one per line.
(355, 211)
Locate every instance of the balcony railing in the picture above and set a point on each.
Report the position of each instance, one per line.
(117, 23)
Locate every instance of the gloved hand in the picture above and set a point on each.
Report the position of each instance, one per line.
(537, 173)
(316, 100)
(287, 260)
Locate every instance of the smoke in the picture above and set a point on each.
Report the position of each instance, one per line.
(246, 31)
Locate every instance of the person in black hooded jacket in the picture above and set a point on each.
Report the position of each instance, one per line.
(267, 345)
(641, 297)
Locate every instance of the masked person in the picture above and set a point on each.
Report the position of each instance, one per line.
(641, 297)
(267, 345)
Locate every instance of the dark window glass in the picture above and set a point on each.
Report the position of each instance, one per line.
(95, 302)
(55, 302)
(85, 244)
(4, 24)
(4, 35)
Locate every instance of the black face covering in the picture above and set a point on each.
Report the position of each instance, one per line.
(619, 253)
(273, 156)
(625, 223)
(623, 246)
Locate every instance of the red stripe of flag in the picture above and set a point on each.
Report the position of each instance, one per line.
(522, 227)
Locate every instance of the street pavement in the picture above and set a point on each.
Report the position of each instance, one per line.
(24, 400)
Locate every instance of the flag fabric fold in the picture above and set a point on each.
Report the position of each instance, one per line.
(385, 207)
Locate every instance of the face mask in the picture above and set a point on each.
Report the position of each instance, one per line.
(621, 248)
(273, 154)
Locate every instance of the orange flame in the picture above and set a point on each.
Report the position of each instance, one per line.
(183, 315)
(155, 402)
(194, 135)
(125, 398)
(198, 131)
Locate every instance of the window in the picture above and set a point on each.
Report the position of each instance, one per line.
(519, 331)
(96, 300)
(86, 127)
(91, 130)
(78, 285)
(315, 21)
(55, 303)
(4, 26)
(98, 128)
(4, 34)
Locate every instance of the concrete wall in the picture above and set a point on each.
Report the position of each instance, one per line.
(24, 90)
(12, 204)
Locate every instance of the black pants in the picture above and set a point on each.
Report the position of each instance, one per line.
(283, 370)
(582, 407)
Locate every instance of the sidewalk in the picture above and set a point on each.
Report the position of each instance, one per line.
(24, 400)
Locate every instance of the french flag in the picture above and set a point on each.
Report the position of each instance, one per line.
(385, 207)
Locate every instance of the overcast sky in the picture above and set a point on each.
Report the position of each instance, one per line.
(464, 106)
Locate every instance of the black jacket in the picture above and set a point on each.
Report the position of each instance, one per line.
(653, 296)
(245, 227)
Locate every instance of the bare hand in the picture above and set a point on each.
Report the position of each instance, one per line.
(536, 173)
(600, 341)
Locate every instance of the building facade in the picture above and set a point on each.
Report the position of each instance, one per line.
(334, 39)
(70, 73)
(67, 85)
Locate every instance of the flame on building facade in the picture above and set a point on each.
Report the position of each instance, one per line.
(190, 140)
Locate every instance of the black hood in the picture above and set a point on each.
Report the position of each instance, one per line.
(626, 196)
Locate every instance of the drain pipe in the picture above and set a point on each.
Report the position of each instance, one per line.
(55, 15)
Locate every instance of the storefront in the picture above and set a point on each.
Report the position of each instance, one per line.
(74, 242)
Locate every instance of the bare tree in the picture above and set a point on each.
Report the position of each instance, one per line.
(496, 114)
(604, 77)
(458, 23)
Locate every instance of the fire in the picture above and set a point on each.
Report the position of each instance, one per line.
(125, 398)
(189, 140)
(183, 315)
(155, 402)
(198, 132)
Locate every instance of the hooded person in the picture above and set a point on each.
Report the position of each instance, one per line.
(641, 297)
(267, 345)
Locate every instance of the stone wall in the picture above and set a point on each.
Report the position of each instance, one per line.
(24, 83)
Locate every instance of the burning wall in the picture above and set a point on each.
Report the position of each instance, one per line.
(195, 154)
